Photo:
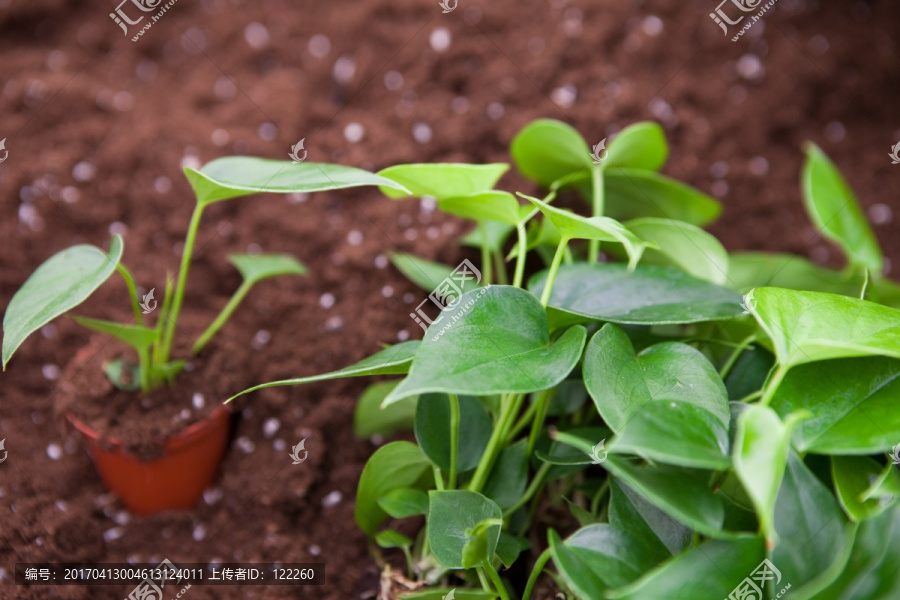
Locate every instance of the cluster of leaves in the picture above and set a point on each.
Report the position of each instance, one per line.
(69, 277)
(689, 430)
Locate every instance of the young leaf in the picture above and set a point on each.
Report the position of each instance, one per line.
(370, 419)
(640, 146)
(832, 207)
(632, 193)
(404, 502)
(441, 180)
(853, 402)
(812, 326)
(501, 344)
(433, 430)
(235, 176)
(547, 150)
(483, 206)
(452, 515)
(572, 226)
(392, 539)
(668, 403)
(761, 447)
(393, 466)
(649, 295)
(256, 267)
(60, 284)
(478, 548)
(393, 360)
(853, 475)
(684, 246)
(424, 273)
(136, 336)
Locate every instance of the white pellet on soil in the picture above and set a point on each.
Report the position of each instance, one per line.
(403, 335)
(54, 451)
(260, 339)
(50, 372)
(326, 300)
(245, 444)
(355, 238)
(271, 427)
(880, 214)
(440, 39)
(354, 132)
(421, 133)
(758, 166)
(393, 80)
(332, 499)
(113, 533)
(199, 532)
(84, 171)
(381, 261)
(319, 45)
(256, 35)
(334, 323)
(212, 495)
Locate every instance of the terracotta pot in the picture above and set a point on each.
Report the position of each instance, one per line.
(174, 481)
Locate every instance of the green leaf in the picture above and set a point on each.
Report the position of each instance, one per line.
(424, 273)
(853, 476)
(630, 511)
(501, 344)
(256, 267)
(370, 418)
(578, 575)
(811, 326)
(392, 539)
(640, 146)
(810, 526)
(483, 206)
(666, 404)
(393, 360)
(509, 547)
(509, 477)
(547, 150)
(393, 466)
(60, 284)
(853, 403)
(631, 194)
(748, 270)
(650, 295)
(681, 493)
(749, 372)
(444, 594)
(433, 430)
(478, 549)
(452, 515)
(122, 374)
(441, 180)
(404, 502)
(711, 570)
(761, 447)
(235, 176)
(682, 245)
(136, 336)
(572, 226)
(832, 207)
(494, 232)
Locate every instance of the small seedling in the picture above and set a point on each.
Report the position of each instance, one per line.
(686, 404)
(70, 277)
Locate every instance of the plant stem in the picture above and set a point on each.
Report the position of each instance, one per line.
(132, 290)
(223, 316)
(525, 419)
(161, 320)
(495, 578)
(485, 255)
(551, 274)
(193, 226)
(595, 501)
(454, 439)
(438, 478)
(144, 368)
(751, 396)
(509, 407)
(543, 402)
(735, 354)
(772, 385)
(532, 488)
(536, 571)
(520, 259)
(500, 267)
(597, 184)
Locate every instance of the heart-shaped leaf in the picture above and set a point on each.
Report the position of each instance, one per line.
(500, 343)
(452, 515)
(834, 210)
(668, 403)
(256, 267)
(441, 180)
(853, 403)
(397, 465)
(235, 176)
(370, 419)
(640, 146)
(650, 295)
(682, 245)
(433, 430)
(60, 284)
(547, 150)
(811, 326)
(393, 360)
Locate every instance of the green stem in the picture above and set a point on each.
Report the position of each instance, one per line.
(495, 578)
(144, 368)
(543, 402)
(500, 268)
(193, 226)
(751, 396)
(454, 439)
(223, 316)
(735, 354)
(532, 489)
(597, 184)
(509, 407)
(485, 255)
(535, 573)
(160, 323)
(132, 290)
(772, 385)
(551, 274)
(520, 259)
(526, 418)
(438, 478)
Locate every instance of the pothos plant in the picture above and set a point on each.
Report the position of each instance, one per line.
(69, 277)
(694, 412)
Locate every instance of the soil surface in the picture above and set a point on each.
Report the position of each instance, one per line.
(97, 127)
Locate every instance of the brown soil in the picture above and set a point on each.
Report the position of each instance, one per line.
(76, 92)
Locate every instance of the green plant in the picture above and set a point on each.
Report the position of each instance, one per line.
(69, 277)
(691, 418)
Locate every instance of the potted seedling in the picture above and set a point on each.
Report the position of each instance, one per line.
(175, 469)
(687, 423)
